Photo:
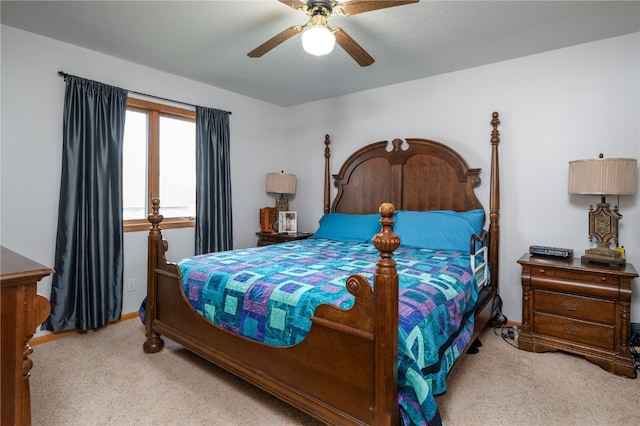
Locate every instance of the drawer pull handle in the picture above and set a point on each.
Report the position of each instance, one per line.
(603, 278)
(571, 306)
(571, 330)
(541, 270)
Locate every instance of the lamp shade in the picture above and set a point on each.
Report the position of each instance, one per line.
(318, 40)
(603, 176)
(281, 183)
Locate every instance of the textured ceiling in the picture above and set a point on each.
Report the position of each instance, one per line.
(208, 41)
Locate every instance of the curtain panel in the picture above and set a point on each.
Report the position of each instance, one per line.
(213, 181)
(87, 287)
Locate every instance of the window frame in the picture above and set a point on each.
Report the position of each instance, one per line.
(155, 110)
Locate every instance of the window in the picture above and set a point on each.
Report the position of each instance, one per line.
(159, 160)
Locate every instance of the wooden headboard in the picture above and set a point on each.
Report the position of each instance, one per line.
(419, 175)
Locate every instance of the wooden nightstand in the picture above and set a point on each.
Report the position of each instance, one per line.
(582, 308)
(266, 238)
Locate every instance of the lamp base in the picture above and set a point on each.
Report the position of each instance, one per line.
(282, 204)
(610, 257)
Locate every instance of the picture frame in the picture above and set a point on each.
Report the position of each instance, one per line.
(288, 222)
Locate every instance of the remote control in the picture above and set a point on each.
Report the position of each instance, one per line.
(551, 251)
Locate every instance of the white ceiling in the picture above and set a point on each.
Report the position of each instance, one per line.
(208, 41)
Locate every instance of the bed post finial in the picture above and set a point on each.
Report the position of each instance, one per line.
(327, 174)
(495, 133)
(155, 217)
(386, 241)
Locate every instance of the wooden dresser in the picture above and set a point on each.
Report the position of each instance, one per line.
(23, 310)
(582, 308)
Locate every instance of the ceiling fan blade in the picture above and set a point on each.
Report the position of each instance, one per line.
(360, 6)
(352, 48)
(294, 4)
(274, 41)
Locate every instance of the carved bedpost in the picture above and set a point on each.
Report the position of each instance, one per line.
(327, 174)
(494, 203)
(385, 324)
(153, 343)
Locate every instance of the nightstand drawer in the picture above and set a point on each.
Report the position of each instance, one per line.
(601, 336)
(574, 306)
(267, 238)
(577, 282)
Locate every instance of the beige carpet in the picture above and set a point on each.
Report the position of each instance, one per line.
(104, 378)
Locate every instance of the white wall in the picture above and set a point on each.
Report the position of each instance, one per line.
(555, 107)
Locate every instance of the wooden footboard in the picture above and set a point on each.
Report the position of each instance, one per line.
(343, 372)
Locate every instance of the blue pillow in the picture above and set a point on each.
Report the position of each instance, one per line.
(438, 229)
(358, 228)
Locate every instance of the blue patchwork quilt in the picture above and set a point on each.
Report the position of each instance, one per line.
(270, 293)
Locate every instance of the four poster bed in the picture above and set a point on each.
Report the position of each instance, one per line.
(363, 352)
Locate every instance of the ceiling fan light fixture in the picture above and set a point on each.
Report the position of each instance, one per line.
(318, 40)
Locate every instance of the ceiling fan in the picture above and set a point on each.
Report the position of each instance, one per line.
(318, 37)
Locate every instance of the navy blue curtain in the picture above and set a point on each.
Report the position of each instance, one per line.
(213, 182)
(87, 286)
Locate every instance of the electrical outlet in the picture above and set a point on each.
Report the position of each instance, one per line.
(131, 284)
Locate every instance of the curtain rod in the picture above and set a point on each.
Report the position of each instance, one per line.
(64, 75)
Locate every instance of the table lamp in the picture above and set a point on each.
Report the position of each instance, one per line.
(284, 184)
(603, 176)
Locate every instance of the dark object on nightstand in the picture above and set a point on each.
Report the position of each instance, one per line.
(577, 307)
(266, 238)
(551, 251)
